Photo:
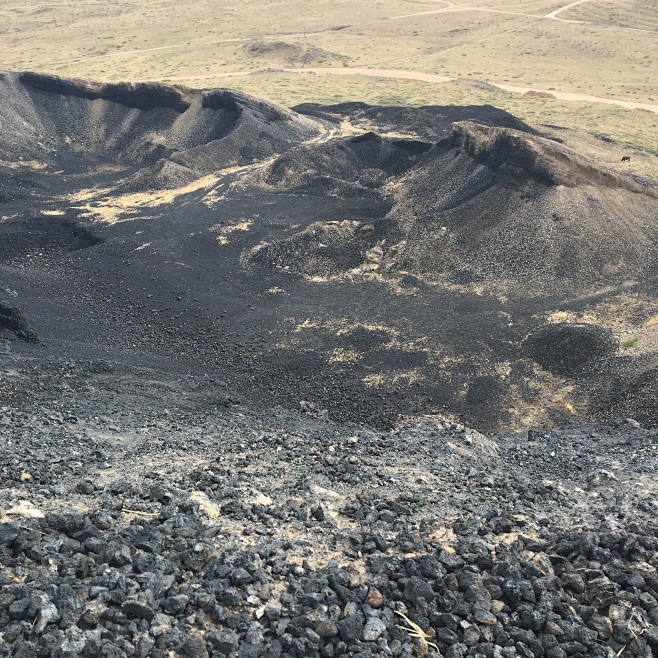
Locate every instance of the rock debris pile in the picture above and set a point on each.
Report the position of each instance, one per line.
(87, 585)
(160, 529)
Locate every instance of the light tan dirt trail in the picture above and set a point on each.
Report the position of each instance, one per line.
(428, 77)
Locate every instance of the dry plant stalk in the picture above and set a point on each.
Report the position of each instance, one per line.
(416, 631)
(125, 510)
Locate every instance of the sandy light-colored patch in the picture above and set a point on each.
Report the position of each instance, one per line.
(223, 231)
(395, 377)
(209, 508)
(343, 355)
(34, 165)
(98, 205)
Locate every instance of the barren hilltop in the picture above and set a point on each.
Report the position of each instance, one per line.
(280, 382)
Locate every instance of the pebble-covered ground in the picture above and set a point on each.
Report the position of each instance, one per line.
(140, 519)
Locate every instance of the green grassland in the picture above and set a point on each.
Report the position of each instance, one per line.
(604, 48)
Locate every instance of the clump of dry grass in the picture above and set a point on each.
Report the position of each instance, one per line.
(418, 633)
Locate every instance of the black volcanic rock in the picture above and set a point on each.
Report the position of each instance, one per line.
(143, 96)
(12, 322)
(528, 542)
(368, 262)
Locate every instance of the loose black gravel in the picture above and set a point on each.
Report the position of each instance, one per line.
(167, 528)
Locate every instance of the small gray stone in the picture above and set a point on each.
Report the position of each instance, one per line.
(47, 615)
(177, 604)
(144, 646)
(374, 629)
(457, 650)
(240, 577)
(194, 646)
(447, 636)
(350, 629)
(387, 516)
(225, 641)
(417, 588)
(93, 612)
(122, 556)
(326, 629)
(18, 609)
(485, 617)
(85, 487)
(471, 635)
(602, 591)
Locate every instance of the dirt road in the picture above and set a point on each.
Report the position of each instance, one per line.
(395, 74)
(559, 10)
(377, 73)
(427, 77)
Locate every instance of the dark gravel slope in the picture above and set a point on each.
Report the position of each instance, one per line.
(142, 517)
(374, 261)
(241, 350)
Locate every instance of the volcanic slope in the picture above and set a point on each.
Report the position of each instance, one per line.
(369, 262)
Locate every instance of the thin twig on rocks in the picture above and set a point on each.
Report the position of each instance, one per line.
(134, 511)
(416, 631)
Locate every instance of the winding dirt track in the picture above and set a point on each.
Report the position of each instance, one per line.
(559, 10)
(424, 77)
(449, 7)
(375, 73)
(427, 77)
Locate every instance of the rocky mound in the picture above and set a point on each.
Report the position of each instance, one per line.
(632, 392)
(536, 157)
(38, 236)
(429, 123)
(485, 204)
(292, 54)
(506, 205)
(140, 124)
(564, 348)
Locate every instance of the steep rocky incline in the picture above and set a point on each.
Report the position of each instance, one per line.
(137, 522)
(44, 117)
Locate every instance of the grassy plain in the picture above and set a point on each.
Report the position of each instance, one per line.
(603, 48)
